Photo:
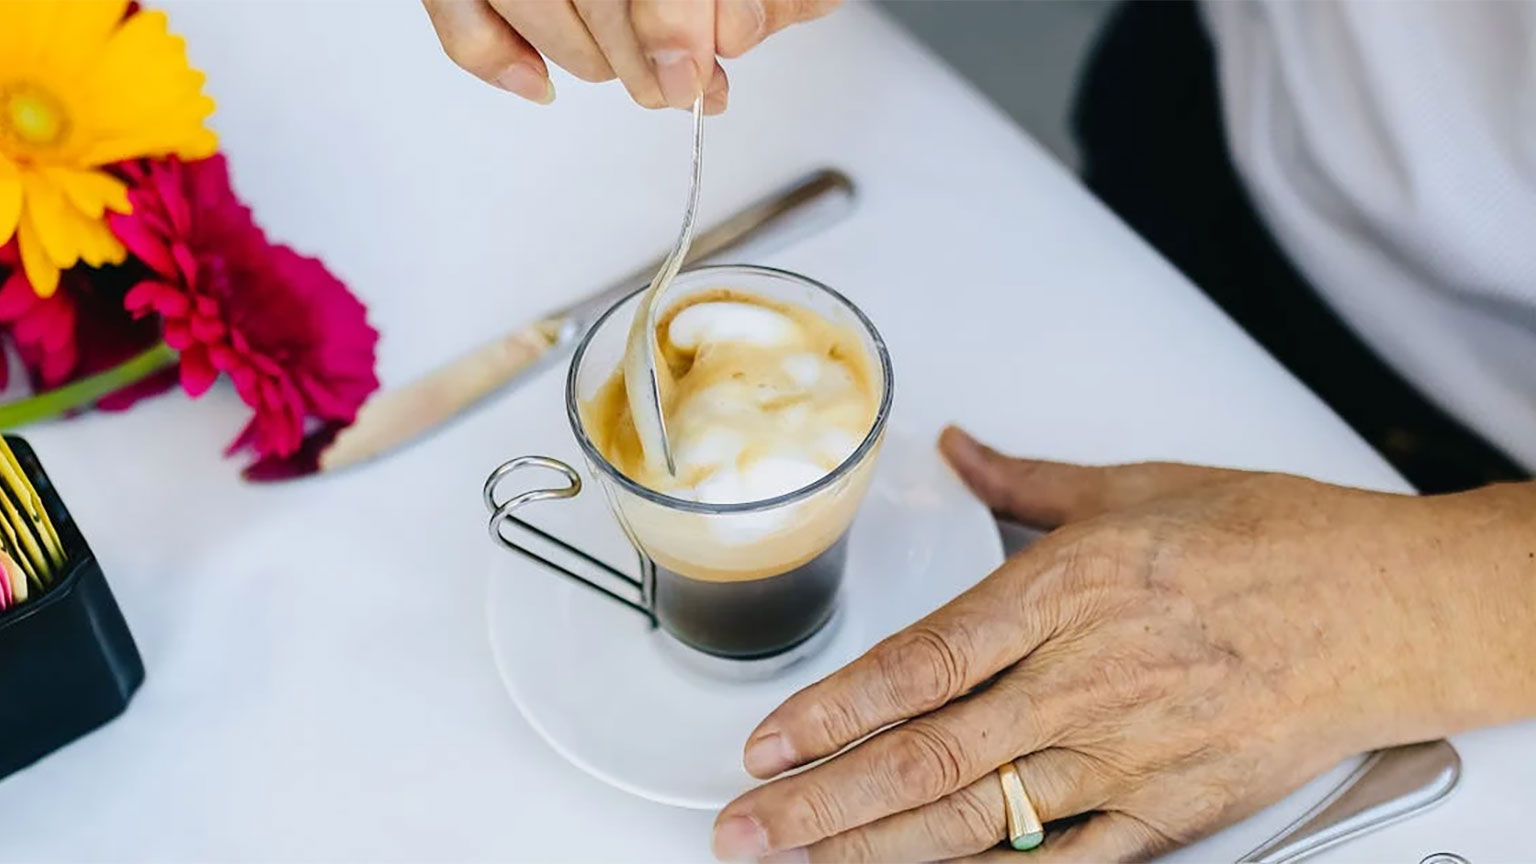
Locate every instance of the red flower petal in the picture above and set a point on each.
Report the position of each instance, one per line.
(246, 439)
(79, 330)
(226, 360)
(16, 296)
(143, 241)
(159, 297)
(207, 329)
(47, 325)
(167, 187)
(56, 326)
(57, 364)
(177, 335)
(197, 374)
(246, 382)
(186, 264)
(140, 299)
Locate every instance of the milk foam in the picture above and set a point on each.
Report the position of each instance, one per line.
(730, 321)
(760, 413)
(767, 397)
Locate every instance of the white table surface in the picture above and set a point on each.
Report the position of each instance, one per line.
(319, 682)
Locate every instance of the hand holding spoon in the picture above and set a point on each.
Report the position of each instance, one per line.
(647, 380)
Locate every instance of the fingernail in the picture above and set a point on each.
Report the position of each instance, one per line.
(768, 755)
(788, 856)
(740, 838)
(527, 82)
(743, 23)
(677, 76)
(954, 441)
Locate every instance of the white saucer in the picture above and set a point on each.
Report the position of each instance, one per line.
(608, 694)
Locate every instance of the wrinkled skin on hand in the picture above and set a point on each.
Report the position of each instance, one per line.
(1189, 645)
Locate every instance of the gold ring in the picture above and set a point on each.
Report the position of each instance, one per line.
(1024, 829)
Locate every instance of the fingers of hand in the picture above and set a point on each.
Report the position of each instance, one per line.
(904, 767)
(911, 673)
(1060, 783)
(718, 92)
(968, 821)
(996, 855)
(1087, 843)
(678, 38)
(662, 50)
(1111, 836)
(1042, 494)
(608, 22)
(741, 24)
(554, 28)
(1049, 494)
(484, 45)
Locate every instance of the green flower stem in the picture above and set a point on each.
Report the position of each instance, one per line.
(86, 391)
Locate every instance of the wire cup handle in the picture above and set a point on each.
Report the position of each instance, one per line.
(502, 515)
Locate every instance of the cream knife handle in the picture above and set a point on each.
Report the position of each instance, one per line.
(1389, 785)
(403, 413)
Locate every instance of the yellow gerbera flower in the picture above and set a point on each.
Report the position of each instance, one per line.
(82, 87)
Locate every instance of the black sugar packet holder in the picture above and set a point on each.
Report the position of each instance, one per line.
(67, 661)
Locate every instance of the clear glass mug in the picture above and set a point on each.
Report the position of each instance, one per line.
(745, 581)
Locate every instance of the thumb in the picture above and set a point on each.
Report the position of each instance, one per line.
(741, 24)
(1041, 494)
(1049, 494)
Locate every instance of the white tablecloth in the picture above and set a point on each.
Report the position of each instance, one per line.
(319, 683)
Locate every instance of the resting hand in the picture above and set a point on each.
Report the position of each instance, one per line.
(1188, 646)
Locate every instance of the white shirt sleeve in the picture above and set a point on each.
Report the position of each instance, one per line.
(1391, 149)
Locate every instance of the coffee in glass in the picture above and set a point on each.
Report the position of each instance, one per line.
(783, 388)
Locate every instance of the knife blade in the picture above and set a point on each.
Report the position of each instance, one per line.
(399, 416)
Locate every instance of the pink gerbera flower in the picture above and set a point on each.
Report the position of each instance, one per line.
(290, 336)
(43, 328)
(80, 330)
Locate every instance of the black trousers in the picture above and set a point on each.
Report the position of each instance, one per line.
(1150, 131)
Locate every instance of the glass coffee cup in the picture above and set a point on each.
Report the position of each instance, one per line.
(746, 581)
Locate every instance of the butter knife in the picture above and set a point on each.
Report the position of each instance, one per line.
(396, 417)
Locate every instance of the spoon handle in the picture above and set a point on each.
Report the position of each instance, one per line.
(674, 261)
(1389, 785)
(641, 351)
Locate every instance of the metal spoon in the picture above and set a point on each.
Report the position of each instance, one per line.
(1390, 785)
(647, 382)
